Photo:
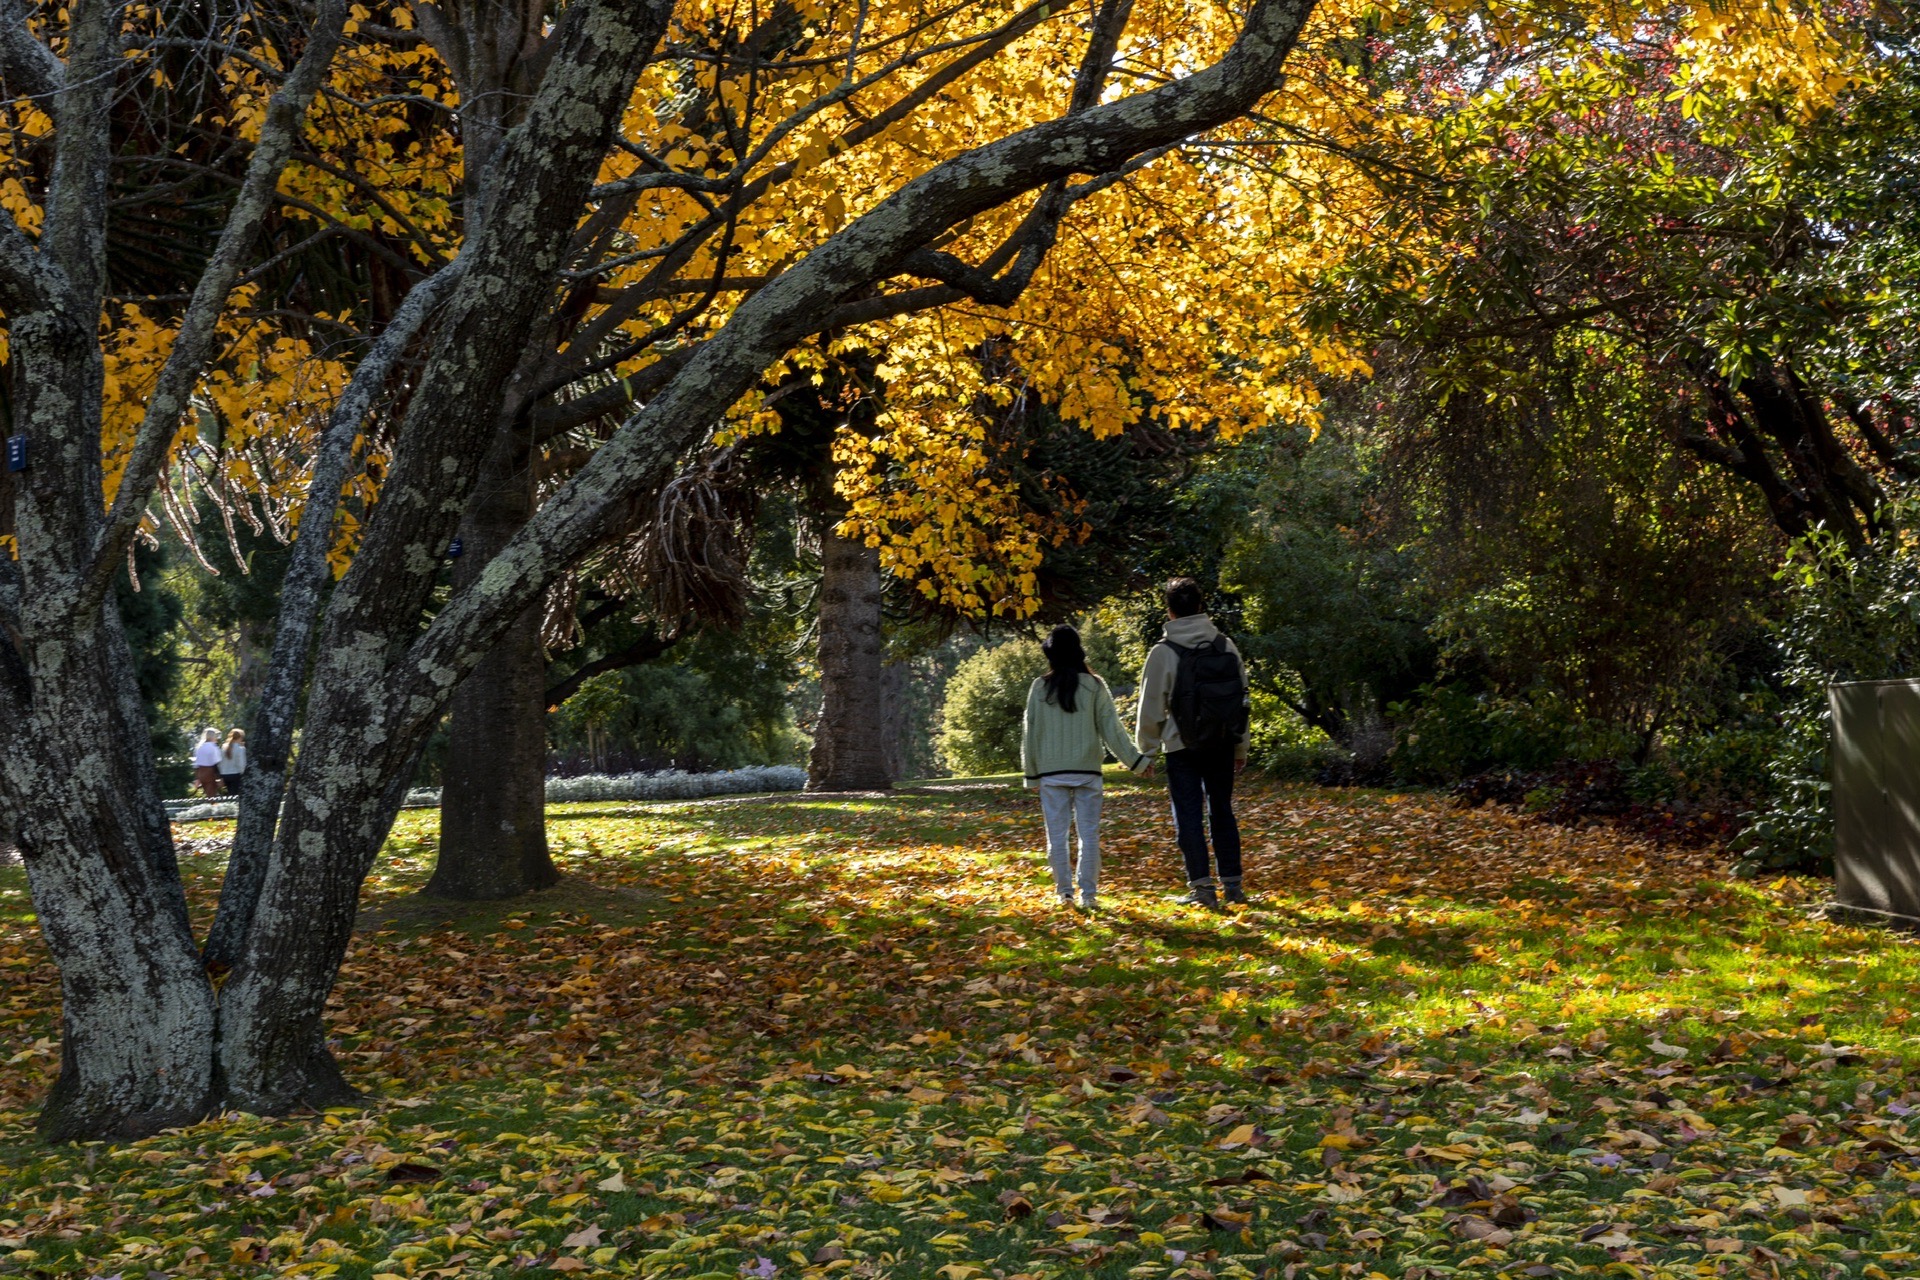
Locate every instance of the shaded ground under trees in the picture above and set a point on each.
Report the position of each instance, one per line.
(812, 1036)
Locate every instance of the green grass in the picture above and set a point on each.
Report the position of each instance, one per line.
(852, 1036)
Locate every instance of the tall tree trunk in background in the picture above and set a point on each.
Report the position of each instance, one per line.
(493, 820)
(849, 746)
(895, 679)
(493, 797)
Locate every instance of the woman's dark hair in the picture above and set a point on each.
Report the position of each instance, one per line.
(1184, 599)
(1066, 663)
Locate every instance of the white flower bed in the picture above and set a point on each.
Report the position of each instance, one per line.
(669, 785)
(675, 785)
(202, 810)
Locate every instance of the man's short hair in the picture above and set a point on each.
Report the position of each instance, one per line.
(1184, 598)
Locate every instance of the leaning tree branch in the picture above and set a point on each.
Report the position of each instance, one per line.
(601, 328)
(286, 111)
(300, 597)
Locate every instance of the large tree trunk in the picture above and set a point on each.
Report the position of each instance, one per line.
(493, 795)
(849, 746)
(137, 1014)
(79, 783)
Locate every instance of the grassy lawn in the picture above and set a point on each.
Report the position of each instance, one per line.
(826, 1037)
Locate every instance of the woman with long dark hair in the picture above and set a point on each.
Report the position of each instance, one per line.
(1070, 725)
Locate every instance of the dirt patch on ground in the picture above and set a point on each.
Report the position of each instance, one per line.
(572, 897)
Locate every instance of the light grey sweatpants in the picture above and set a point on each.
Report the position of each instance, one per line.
(1073, 799)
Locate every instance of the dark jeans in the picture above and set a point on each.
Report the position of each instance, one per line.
(1202, 778)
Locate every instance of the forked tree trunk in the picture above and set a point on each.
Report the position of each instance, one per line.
(493, 801)
(849, 746)
(137, 1010)
(375, 695)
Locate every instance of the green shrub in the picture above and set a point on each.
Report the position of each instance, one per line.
(986, 702)
(1724, 768)
(1450, 732)
(1282, 745)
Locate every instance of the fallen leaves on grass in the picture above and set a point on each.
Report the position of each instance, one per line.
(816, 1037)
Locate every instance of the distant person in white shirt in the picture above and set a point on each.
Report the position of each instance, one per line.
(206, 763)
(233, 761)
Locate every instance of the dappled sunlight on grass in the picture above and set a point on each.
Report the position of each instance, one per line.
(855, 1035)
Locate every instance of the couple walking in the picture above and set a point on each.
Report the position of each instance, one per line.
(217, 769)
(1193, 718)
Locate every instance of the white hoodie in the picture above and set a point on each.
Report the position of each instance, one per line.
(1156, 730)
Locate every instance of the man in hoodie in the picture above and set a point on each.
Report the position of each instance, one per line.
(1193, 714)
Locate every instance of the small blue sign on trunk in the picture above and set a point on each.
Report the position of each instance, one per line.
(16, 453)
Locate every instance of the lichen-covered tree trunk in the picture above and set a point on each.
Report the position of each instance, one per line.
(493, 802)
(850, 743)
(137, 1011)
(79, 785)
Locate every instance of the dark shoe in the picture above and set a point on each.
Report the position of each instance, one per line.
(1200, 895)
(1230, 889)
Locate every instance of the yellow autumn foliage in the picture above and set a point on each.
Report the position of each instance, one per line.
(1173, 292)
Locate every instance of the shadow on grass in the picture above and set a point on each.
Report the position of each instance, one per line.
(572, 896)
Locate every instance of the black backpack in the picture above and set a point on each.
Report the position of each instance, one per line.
(1209, 693)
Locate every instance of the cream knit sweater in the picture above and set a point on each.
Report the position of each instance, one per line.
(1056, 742)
